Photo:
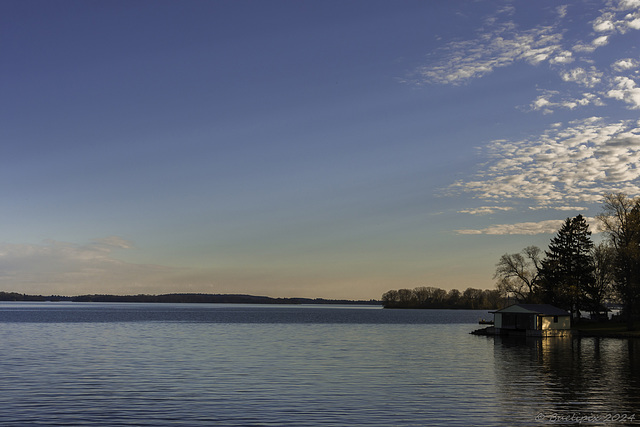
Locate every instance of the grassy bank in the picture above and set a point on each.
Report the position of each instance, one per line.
(606, 330)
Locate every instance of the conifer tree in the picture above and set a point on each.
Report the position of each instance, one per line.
(568, 271)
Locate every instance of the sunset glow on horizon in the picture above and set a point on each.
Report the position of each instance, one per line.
(322, 149)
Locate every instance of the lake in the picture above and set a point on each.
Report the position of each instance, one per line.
(252, 365)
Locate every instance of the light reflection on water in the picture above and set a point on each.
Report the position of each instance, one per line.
(205, 365)
(588, 376)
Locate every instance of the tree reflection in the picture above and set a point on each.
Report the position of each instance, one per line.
(581, 376)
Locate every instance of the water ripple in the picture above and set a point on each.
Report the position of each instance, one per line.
(323, 373)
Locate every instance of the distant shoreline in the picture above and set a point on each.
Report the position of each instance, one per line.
(183, 298)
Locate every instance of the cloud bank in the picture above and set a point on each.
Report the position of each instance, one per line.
(571, 163)
(578, 163)
(524, 228)
(528, 228)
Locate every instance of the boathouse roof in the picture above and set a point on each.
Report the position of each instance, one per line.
(544, 309)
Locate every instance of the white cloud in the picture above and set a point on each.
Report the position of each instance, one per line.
(600, 41)
(588, 78)
(562, 57)
(485, 210)
(547, 103)
(625, 64)
(500, 46)
(528, 228)
(525, 228)
(625, 89)
(562, 10)
(583, 48)
(618, 17)
(628, 4)
(560, 208)
(634, 23)
(604, 23)
(501, 43)
(575, 164)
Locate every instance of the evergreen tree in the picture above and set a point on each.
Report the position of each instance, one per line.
(568, 271)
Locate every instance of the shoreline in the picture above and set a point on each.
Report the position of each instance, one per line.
(194, 298)
(577, 333)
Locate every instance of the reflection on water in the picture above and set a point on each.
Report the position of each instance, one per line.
(568, 377)
(155, 364)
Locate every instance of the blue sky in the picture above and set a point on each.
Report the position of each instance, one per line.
(305, 148)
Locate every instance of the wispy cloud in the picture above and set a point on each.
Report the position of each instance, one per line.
(501, 43)
(108, 243)
(569, 163)
(485, 210)
(551, 100)
(588, 78)
(578, 163)
(67, 268)
(528, 228)
(500, 46)
(560, 208)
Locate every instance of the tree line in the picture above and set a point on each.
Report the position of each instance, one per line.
(574, 273)
(431, 297)
(182, 298)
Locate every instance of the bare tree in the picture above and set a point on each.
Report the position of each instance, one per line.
(517, 274)
(390, 298)
(493, 298)
(406, 297)
(472, 297)
(621, 222)
(453, 297)
(439, 296)
(618, 219)
(603, 262)
(423, 295)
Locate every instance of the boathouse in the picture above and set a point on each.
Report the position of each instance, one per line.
(537, 320)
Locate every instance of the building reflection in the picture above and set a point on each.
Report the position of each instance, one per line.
(566, 376)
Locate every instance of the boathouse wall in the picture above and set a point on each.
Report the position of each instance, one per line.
(556, 322)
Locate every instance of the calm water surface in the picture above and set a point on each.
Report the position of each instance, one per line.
(208, 364)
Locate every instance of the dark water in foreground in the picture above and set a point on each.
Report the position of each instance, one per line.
(173, 364)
